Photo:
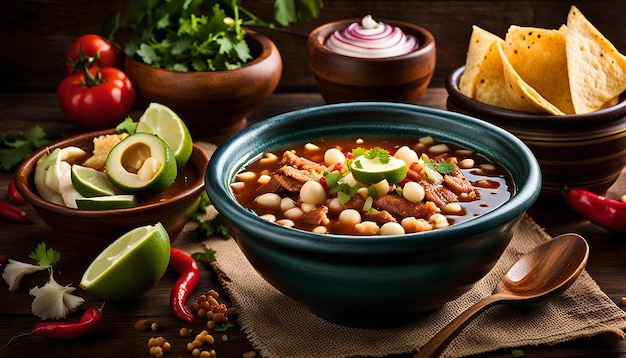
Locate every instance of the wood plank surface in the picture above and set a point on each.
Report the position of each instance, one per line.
(117, 336)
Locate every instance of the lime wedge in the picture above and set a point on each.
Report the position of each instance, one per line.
(130, 266)
(141, 163)
(121, 201)
(371, 171)
(161, 121)
(90, 182)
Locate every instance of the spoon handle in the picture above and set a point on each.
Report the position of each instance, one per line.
(440, 341)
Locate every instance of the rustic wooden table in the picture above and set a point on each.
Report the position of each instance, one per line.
(117, 335)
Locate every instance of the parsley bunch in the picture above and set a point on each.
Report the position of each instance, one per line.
(199, 35)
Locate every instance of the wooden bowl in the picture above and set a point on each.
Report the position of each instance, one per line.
(574, 151)
(394, 79)
(91, 231)
(214, 105)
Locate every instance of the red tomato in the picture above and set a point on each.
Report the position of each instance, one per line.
(96, 101)
(90, 45)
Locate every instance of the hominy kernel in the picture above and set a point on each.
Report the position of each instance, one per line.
(201, 298)
(350, 216)
(359, 141)
(286, 204)
(196, 343)
(213, 353)
(466, 163)
(209, 315)
(184, 332)
(269, 217)
(213, 293)
(406, 154)
(320, 230)
(438, 218)
(268, 200)
(488, 167)
(204, 332)
(294, 213)
(439, 148)
(190, 347)
(205, 354)
(313, 192)
(154, 326)
(269, 158)
(464, 152)
(391, 228)
(211, 324)
(195, 353)
(219, 317)
(311, 146)
(212, 301)
(200, 338)
(334, 205)
(413, 192)
(367, 228)
(194, 307)
(452, 208)
(263, 179)
(408, 223)
(167, 347)
(244, 176)
(333, 156)
(428, 140)
(237, 186)
(286, 222)
(152, 342)
(307, 208)
(160, 340)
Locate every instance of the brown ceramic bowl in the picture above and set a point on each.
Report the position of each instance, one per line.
(91, 231)
(394, 79)
(214, 105)
(574, 151)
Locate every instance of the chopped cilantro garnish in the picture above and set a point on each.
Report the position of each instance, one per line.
(442, 167)
(207, 255)
(15, 147)
(378, 152)
(45, 257)
(127, 125)
(332, 178)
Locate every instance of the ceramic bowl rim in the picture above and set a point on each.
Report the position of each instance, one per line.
(325, 29)
(463, 101)
(218, 179)
(23, 184)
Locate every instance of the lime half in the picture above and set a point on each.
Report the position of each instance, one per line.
(141, 163)
(90, 182)
(130, 266)
(371, 171)
(121, 201)
(163, 122)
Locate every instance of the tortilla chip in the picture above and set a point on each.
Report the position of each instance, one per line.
(520, 95)
(538, 56)
(490, 85)
(597, 71)
(480, 46)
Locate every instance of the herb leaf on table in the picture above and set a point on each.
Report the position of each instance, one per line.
(15, 147)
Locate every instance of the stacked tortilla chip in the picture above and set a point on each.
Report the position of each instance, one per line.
(572, 70)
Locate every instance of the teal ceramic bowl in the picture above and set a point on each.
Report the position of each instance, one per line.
(340, 277)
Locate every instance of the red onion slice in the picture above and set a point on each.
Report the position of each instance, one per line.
(371, 39)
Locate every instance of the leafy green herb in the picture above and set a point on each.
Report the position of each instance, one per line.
(332, 178)
(45, 257)
(127, 126)
(198, 35)
(442, 167)
(517, 353)
(207, 255)
(223, 327)
(358, 151)
(15, 147)
(218, 226)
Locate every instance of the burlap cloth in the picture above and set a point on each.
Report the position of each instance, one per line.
(277, 326)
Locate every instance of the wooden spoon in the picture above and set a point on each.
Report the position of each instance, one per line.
(540, 275)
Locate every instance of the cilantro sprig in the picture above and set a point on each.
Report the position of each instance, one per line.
(17, 146)
(45, 257)
(199, 35)
(442, 167)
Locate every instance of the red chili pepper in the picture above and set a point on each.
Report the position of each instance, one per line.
(189, 278)
(13, 195)
(12, 212)
(602, 211)
(67, 330)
